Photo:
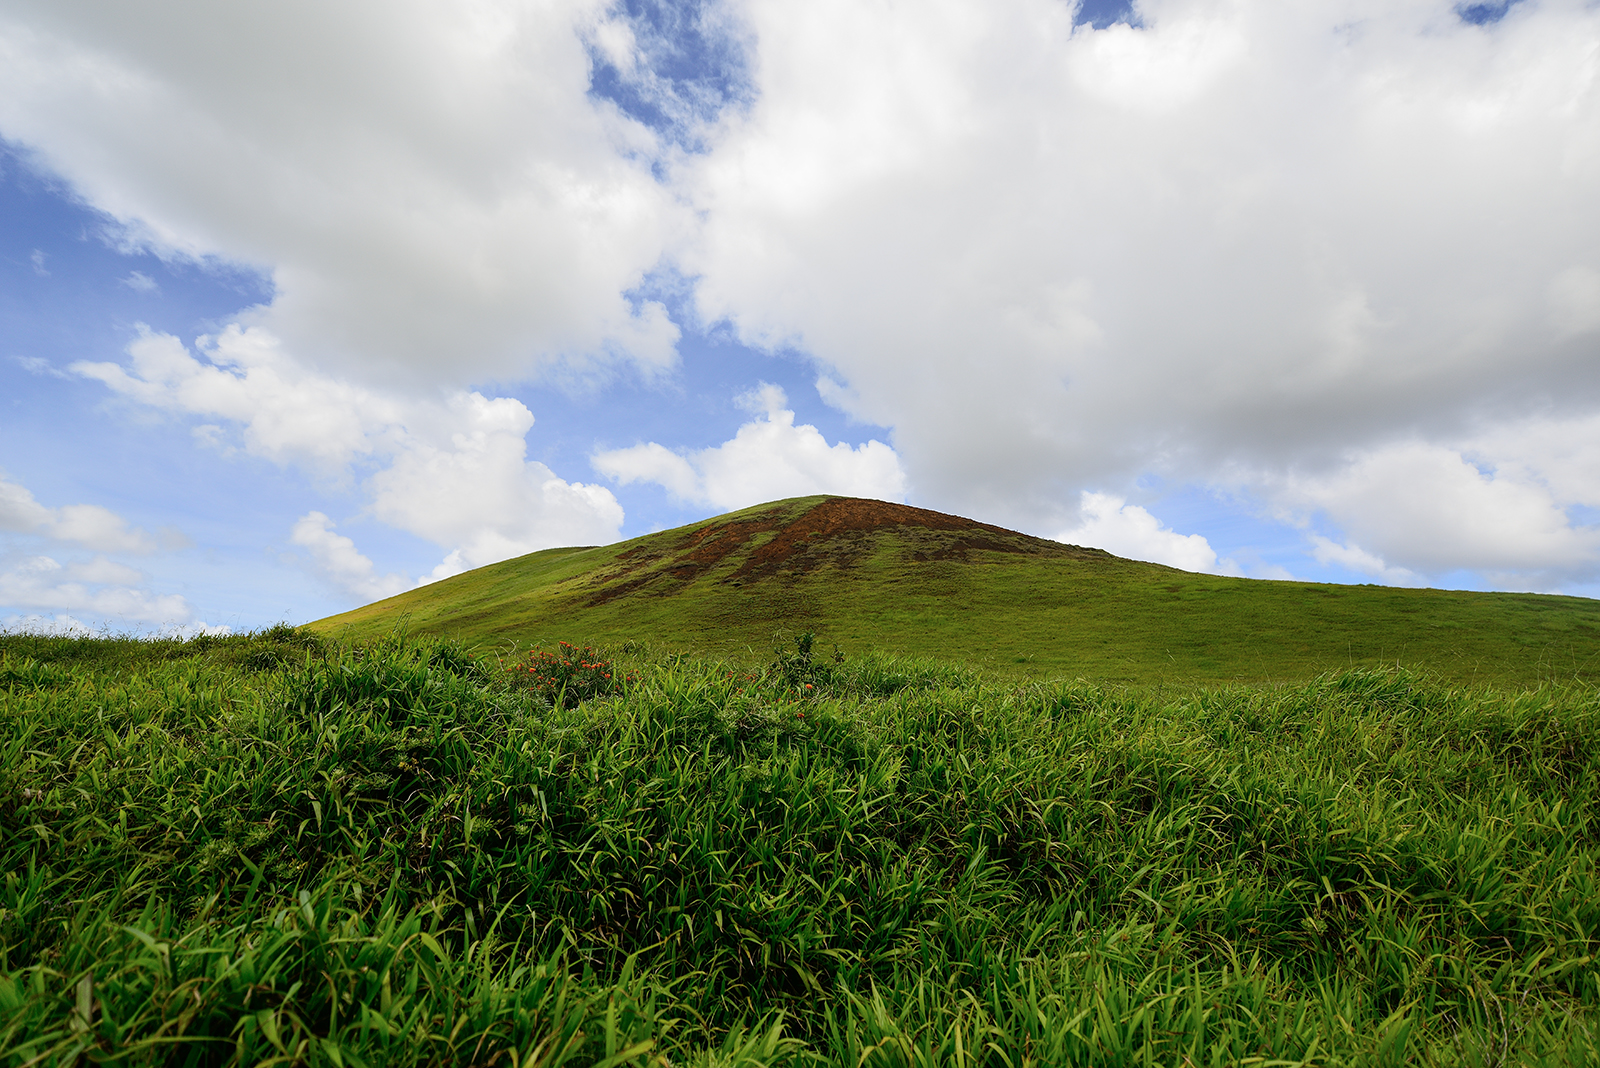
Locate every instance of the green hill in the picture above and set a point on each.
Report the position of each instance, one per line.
(867, 575)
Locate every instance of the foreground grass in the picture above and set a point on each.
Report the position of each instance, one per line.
(271, 849)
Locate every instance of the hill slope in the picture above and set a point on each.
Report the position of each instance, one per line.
(871, 575)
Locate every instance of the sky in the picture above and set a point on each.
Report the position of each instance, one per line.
(306, 304)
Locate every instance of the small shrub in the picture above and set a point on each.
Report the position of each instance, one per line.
(567, 676)
(800, 669)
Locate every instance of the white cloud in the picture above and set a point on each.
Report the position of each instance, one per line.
(100, 586)
(451, 469)
(185, 631)
(339, 562)
(1158, 73)
(68, 626)
(656, 463)
(431, 186)
(1547, 450)
(61, 625)
(1251, 235)
(18, 510)
(1110, 523)
(101, 571)
(1327, 551)
(88, 525)
(1417, 508)
(481, 495)
(97, 528)
(41, 582)
(141, 282)
(287, 414)
(37, 366)
(768, 458)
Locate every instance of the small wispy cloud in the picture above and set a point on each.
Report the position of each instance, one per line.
(38, 259)
(141, 282)
(36, 365)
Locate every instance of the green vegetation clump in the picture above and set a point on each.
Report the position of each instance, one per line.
(261, 650)
(390, 854)
(566, 676)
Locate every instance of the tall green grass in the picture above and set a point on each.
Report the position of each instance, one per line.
(386, 855)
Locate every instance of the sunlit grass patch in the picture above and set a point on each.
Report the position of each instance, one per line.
(886, 578)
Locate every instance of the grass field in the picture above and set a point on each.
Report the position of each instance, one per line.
(877, 577)
(269, 849)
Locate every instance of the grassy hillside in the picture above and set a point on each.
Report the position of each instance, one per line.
(268, 850)
(869, 575)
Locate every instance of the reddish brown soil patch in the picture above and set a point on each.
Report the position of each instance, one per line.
(837, 531)
(831, 533)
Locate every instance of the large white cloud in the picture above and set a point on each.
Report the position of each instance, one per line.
(430, 185)
(1251, 236)
(768, 458)
(452, 469)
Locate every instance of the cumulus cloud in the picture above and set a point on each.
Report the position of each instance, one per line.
(1327, 551)
(286, 413)
(97, 585)
(451, 469)
(1421, 508)
(1247, 235)
(103, 572)
(88, 525)
(338, 560)
(1110, 523)
(769, 457)
(41, 582)
(431, 186)
(481, 495)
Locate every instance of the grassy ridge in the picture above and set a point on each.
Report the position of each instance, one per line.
(1007, 603)
(386, 855)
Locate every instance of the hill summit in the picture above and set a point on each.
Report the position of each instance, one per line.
(875, 576)
(779, 542)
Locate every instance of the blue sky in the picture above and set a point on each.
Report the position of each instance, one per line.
(1305, 294)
